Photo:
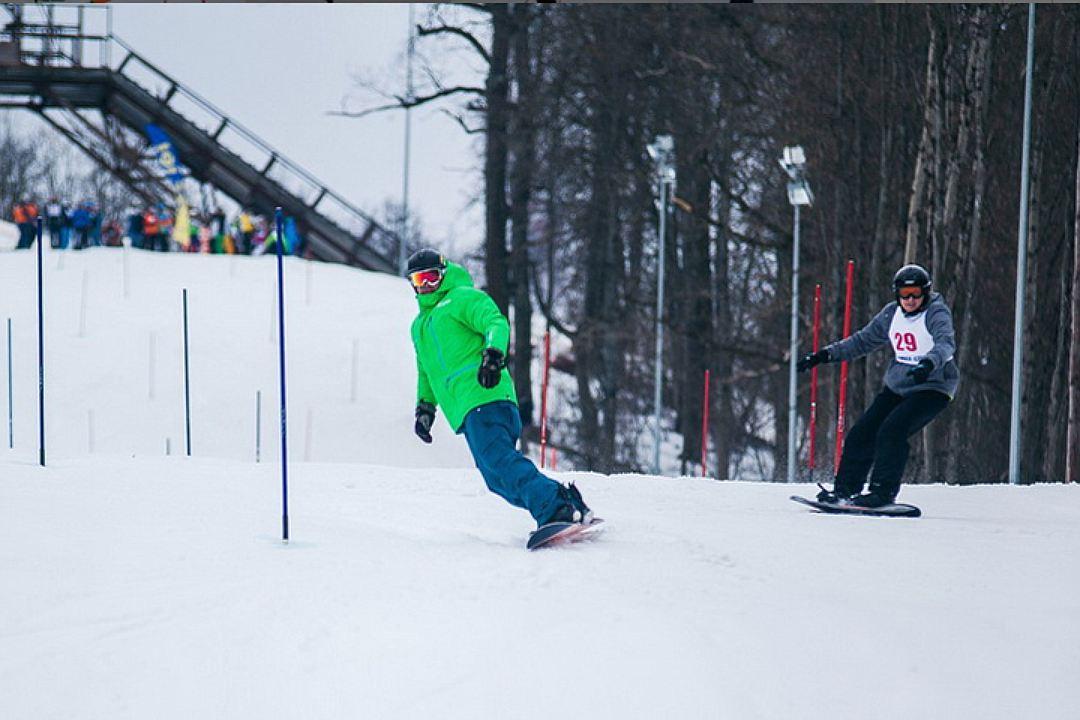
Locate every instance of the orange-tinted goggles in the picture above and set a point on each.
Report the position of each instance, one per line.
(426, 278)
(910, 292)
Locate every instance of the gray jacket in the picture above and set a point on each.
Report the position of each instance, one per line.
(943, 378)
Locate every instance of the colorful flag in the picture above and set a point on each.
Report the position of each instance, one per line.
(167, 159)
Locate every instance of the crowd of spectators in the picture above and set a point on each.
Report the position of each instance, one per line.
(158, 228)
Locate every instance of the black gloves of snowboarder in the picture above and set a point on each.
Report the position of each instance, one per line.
(921, 372)
(491, 364)
(808, 361)
(425, 418)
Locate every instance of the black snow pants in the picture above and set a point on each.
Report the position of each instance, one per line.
(880, 439)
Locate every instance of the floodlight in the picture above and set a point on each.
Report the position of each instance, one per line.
(795, 156)
(793, 161)
(799, 193)
(662, 152)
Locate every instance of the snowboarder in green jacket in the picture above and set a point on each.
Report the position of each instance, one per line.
(460, 338)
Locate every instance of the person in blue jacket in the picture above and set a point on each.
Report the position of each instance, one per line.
(82, 222)
(920, 382)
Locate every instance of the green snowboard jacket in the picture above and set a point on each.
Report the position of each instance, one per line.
(454, 325)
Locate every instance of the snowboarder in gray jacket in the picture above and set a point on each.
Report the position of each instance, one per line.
(920, 382)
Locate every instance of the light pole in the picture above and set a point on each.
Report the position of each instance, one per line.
(798, 189)
(662, 152)
(1021, 264)
(404, 229)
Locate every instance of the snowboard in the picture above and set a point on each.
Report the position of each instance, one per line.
(563, 533)
(894, 510)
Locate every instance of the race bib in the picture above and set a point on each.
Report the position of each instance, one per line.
(911, 340)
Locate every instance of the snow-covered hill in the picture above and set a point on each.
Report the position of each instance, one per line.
(114, 370)
(137, 585)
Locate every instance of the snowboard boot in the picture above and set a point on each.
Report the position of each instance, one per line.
(873, 499)
(579, 504)
(834, 496)
(571, 508)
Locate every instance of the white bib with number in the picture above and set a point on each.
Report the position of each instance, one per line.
(910, 338)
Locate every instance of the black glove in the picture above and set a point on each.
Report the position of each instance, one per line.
(808, 361)
(920, 372)
(425, 418)
(491, 364)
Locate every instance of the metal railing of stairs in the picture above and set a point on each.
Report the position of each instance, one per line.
(215, 147)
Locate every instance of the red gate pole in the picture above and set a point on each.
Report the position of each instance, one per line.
(705, 428)
(841, 412)
(812, 459)
(543, 397)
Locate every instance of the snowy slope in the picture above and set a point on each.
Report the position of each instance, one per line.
(118, 364)
(157, 587)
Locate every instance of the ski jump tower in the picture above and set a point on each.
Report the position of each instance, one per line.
(100, 94)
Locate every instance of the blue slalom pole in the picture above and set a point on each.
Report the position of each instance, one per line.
(281, 355)
(10, 406)
(258, 425)
(187, 383)
(41, 350)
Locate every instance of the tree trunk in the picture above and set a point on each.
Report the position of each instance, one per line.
(976, 58)
(921, 180)
(1072, 445)
(521, 179)
(597, 346)
(889, 77)
(1037, 340)
(692, 287)
(1056, 424)
(966, 273)
(723, 418)
(495, 158)
(944, 76)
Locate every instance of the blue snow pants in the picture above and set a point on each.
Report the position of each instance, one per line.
(492, 432)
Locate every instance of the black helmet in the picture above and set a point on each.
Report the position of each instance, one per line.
(426, 259)
(912, 276)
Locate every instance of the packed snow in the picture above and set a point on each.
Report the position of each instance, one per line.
(143, 585)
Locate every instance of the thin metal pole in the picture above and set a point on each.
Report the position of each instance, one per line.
(355, 372)
(281, 357)
(308, 421)
(811, 462)
(41, 350)
(841, 410)
(109, 33)
(11, 406)
(402, 244)
(258, 425)
(78, 43)
(792, 397)
(150, 370)
(82, 302)
(705, 428)
(544, 397)
(307, 282)
(659, 324)
(187, 381)
(1021, 263)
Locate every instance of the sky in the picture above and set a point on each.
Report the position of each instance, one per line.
(279, 69)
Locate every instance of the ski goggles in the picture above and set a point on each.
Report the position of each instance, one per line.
(426, 278)
(913, 292)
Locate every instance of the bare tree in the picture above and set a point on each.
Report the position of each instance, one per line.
(1072, 450)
